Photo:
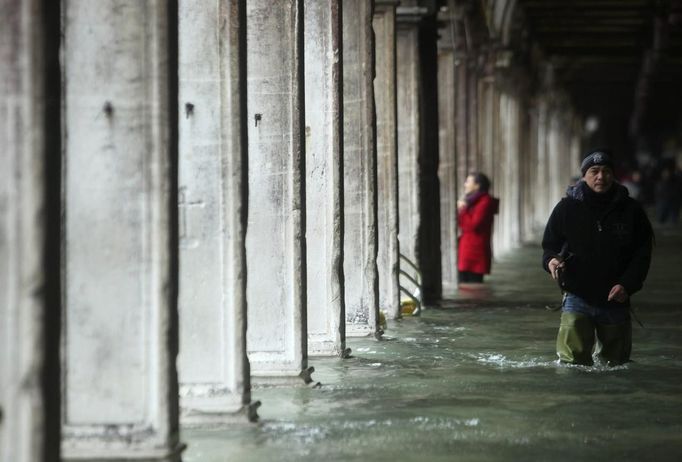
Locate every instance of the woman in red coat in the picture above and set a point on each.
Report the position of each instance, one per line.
(475, 215)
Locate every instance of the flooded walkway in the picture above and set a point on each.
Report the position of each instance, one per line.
(476, 380)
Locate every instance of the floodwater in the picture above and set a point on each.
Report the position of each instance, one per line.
(476, 380)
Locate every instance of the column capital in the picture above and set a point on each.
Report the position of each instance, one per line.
(411, 15)
(385, 6)
(386, 3)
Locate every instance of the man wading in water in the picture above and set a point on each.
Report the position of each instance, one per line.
(597, 244)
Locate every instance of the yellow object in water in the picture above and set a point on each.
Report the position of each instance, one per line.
(382, 320)
(407, 307)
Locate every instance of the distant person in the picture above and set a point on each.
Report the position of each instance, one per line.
(475, 213)
(634, 185)
(668, 196)
(597, 244)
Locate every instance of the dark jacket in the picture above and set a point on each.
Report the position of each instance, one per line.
(607, 238)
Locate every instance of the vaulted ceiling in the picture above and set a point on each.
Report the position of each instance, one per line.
(620, 60)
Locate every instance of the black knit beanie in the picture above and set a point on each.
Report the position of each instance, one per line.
(597, 157)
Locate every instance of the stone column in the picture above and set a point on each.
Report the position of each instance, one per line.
(473, 155)
(544, 205)
(514, 183)
(487, 133)
(508, 178)
(555, 143)
(429, 249)
(418, 147)
(275, 238)
(447, 162)
(388, 259)
(360, 174)
(29, 231)
(120, 334)
(324, 178)
(531, 172)
(576, 148)
(462, 108)
(408, 133)
(526, 167)
(213, 367)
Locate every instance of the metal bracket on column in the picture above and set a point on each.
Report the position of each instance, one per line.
(306, 375)
(416, 295)
(251, 411)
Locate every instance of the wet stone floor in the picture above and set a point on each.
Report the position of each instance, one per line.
(476, 380)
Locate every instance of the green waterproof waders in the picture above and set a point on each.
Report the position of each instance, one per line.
(576, 339)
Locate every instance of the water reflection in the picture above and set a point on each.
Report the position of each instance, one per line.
(478, 380)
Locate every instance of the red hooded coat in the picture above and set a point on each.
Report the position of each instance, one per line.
(476, 224)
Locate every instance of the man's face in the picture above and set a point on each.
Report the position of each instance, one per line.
(599, 178)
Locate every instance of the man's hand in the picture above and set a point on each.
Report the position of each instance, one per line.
(553, 265)
(618, 294)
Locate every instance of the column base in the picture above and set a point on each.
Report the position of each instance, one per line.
(353, 330)
(304, 378)
(326, 349)
(203, 418)
(105, 454)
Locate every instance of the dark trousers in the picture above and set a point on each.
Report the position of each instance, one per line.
(468, 276)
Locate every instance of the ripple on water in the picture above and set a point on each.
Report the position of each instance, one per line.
(309, 433)
(598, 367)
(502, 361)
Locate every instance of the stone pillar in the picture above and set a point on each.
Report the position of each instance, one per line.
(408, 82)
(360, 174)
(487, 133)
(576, 148)
(542, 183)
(418, 146)
(120, 334)
(324, 178)
(531, 172)
(473, 113)
(447, 161)
(514, 183)
(526, 167)
(429, 249)
(388, 259)
(462, 108)
(275, 238)
(555, 143)
(508, 177)
(213, 367)
(29, 231)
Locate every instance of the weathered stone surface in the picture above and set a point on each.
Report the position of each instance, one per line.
(388, 258)
(472, 153)
(487, 133)
(213, 365)
(408, 137)
(508, 178)
(359, 151)
(324, 182)
(447, 166)
(429, 250)
(542, 183)
(462, 107)
(120, 334)
(25, 426)
(275, 240)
